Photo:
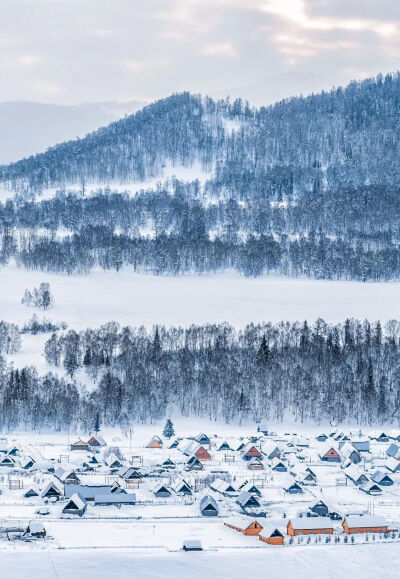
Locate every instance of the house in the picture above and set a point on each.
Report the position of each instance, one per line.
(382, 478)
(181, 487)
(192, 545)
(66, 476)
(272, 536)
(80, 445)
(247, 500)
(393, 450)
(93, 460)
(174, 444)
(76, 505)
(347, 451)
(320, 508)
(13, 451)
(322, 437)
(330, 454)
(223, 487)
(370, 488)
(394, 435)
(196, 449)
(202, 438)
(168, 463)
(161, 491)
(208, 506)
(250, 451)
(379, 436)
(51, 491)
(270, 450)
(26, 462)
(193, 463)
(293, 488)
(96, 441)
(155, 442)
(309, 526)
(224, 446)
(240, 446)
(245, 525)
(392, 464)
(114, 499)
(113, 461)
(361, 444)
(251, 488)
(130, 475)
(278, 466)
(35, 529)
(31, 492)
(255, 464)
(7, 461)
(306, 478)
(355, 474)
(353, 524)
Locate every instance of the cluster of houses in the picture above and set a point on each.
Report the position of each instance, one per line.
(247, 481)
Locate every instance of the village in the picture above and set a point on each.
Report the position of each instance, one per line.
(204, 491)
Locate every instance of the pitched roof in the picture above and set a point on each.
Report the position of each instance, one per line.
(78, 501)
(308, 523)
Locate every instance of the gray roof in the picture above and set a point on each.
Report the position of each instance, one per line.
(115, 499)
(86, 491)
(312, 523)
(360, 521)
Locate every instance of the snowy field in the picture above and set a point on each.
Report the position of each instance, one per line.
(134, 299)
(366, 561)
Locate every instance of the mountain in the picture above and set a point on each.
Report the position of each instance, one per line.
(348, 136)
(27, 127)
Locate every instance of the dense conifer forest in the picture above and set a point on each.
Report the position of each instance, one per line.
(317, 372)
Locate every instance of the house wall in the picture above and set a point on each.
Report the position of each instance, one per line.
(353, 530)
(272, 540)
(295, 532)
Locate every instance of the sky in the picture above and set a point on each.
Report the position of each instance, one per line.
(74, 51)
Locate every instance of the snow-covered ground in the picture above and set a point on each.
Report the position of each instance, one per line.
(366, 561)
(134, 299)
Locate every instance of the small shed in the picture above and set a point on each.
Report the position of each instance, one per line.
(192, 545)
(393, 450)
(35, 529)
(208, 506)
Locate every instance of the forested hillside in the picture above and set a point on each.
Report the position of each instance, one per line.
(307, 187)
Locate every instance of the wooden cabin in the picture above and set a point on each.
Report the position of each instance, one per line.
(223, 487)
(247, 500)
(250, 451)
(131, 475)
(161, 491)
(379, 436)
(382, 478)
(320, 508)
(80, 445)
(355, 474)
(113, 461)
(278, 466)
(272, 537)
(7, 461)
(31, 492)
(168, 463)
(198, 451)
(76, 505)
(255, 464)
(364, 524)
(193, 463)
(293, 489)
(322, 437)
(96, 441)
(224, 446)
(309, 526)
(202, 438)
(51, 491)
(181, 487)
(330, 455)
(371, 488)
(155, 442)
(208, 506)
(245, 525)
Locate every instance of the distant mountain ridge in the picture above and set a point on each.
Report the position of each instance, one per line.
(346, 137)
(27, 128)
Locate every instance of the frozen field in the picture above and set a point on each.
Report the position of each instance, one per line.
(133, 299)
(367, 561)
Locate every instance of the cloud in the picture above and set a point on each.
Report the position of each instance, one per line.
(219, 49)
(28, 59)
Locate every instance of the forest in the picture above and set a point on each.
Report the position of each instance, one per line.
(318, 372)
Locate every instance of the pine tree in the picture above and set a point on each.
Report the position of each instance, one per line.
(263, 353)
(97, 423)
(168, 431)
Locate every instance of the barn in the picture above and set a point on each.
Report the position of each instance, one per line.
(245, 525)
(364, 524)
(309, 526)
(208, 506)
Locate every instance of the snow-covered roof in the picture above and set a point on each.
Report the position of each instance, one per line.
(370, 485)
(308, 523)
(50, 485)
(365, 521)
(243, 522)
(36, 526)
(79, 501)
